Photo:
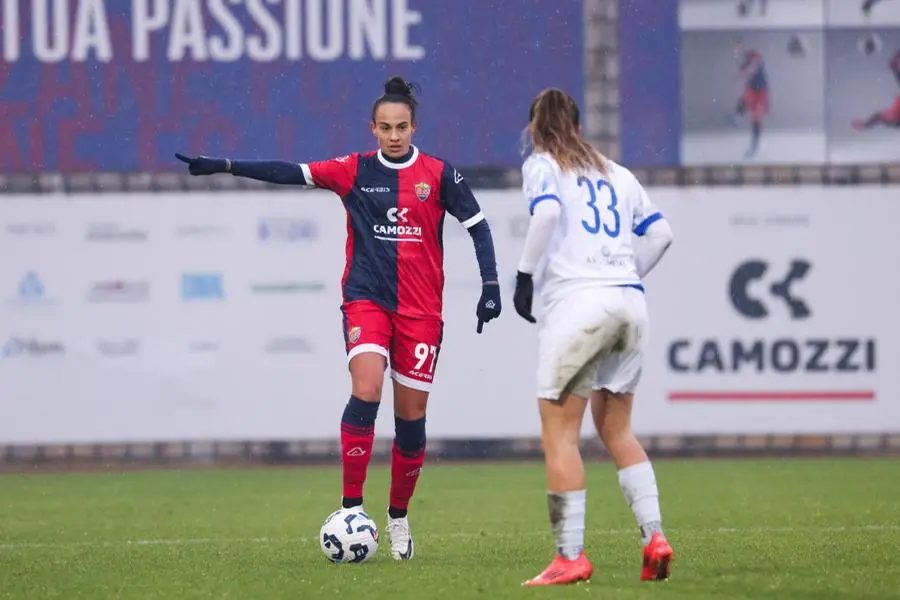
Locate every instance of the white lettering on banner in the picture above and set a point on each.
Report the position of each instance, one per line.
(268, 46)
(147, 16)
(212, 30)
(51, 37)
(367, 25)
(9, 28)
(758, 323)
(51, 23)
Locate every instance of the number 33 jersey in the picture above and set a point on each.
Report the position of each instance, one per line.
(602, 215)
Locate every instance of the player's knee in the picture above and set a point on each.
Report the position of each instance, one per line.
(559, 427)
(410, 405)
(613, 433)
(367, 389)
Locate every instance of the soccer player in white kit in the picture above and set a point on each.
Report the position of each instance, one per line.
(592, 236)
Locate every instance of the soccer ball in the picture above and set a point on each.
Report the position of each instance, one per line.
(349, 535)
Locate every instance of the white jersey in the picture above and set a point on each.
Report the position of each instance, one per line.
(593, 244)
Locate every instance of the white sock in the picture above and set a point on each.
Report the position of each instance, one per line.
(567, 521)
(638, 483)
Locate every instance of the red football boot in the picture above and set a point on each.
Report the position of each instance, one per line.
(657, 556)
(563, 571)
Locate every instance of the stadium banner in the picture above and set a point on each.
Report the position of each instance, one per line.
(761, 82)
(215, 316)
(119, 85)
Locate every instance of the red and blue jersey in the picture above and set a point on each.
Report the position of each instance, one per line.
(395, 219)
(754, 71)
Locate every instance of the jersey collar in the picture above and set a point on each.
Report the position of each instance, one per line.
(395, 165)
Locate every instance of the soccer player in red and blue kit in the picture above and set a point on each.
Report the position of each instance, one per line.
(754, 101)
(396, 201)
(889, 117)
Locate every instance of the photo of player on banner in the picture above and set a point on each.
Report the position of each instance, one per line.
(753, 102)
(863, 87)
(752, 75)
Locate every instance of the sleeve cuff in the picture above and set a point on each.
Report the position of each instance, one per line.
(474, 220)
(642, 227)
(540, 199)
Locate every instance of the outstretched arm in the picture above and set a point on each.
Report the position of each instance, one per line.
(336, 174)
(272, 171)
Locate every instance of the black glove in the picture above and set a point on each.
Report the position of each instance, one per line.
(488, 304)
(524, 295)
(204, 165)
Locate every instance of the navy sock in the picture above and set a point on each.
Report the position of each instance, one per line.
(360, 414)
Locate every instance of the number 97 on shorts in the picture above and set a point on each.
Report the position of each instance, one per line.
(411, 345)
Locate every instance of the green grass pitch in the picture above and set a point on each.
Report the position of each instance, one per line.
(784, 529)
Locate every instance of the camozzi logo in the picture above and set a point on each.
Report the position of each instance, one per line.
(397, 228)
(771, 293)
(779, 289)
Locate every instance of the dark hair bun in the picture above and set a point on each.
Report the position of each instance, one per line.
(397, 86)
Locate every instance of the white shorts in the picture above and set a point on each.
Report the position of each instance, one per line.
(592, 339)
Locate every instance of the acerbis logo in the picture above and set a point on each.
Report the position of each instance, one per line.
(753, 307)
(397, 214)
(376, 190)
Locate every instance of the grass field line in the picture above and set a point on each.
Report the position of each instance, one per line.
(17, 546)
